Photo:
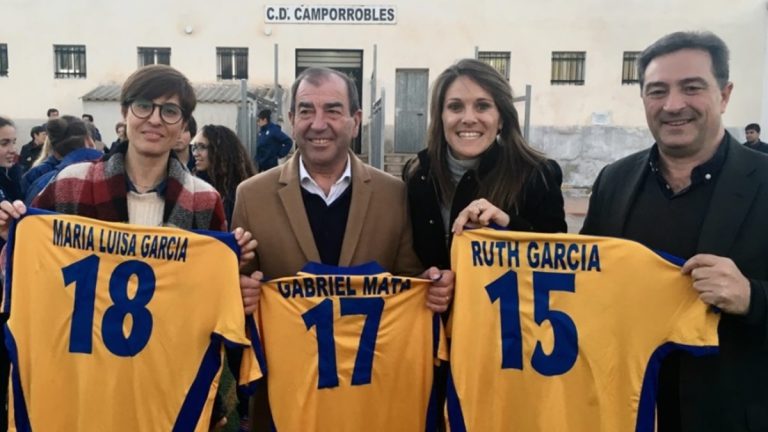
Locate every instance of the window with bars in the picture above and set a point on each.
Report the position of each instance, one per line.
(150, 56)
(629, 72)
(568, 67)
(499, 60)
(69, 61)
(232, 63)
(4, 60)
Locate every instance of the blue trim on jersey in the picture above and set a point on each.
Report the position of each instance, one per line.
(432, 408)
(646, 408)
(369, 268)
(674, 259)
(9, 258)
(193, 405)
(227, 238)
(250, 325)
(455, 415)
(19, 403)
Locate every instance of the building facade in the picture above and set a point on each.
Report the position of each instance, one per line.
(585, 109)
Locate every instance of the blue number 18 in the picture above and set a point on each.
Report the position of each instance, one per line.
(84, 274)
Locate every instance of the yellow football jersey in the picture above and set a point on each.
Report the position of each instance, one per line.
(116, 327)
(349, 349)
(565, 332)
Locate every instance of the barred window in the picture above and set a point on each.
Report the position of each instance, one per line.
(150, 56)
(568, 67)
(4, 60)
(499, 60)
(232, 63)
(629, 72)
(69, 61)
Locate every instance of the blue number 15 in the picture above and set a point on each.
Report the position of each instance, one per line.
(566, 345)
(84, 274)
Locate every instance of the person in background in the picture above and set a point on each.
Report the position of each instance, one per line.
(31, 150)
(753, 138)
(70, 145)
(52, 113)
(221, 160)
(9, 190)
(61, 131)
(93, 143)
(183, 150)
(272, 143)
(96, 135)
(120, 132)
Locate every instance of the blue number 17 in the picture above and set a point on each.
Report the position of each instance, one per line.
(321, 317)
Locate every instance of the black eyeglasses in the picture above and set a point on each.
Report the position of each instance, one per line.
(170, 113)
(198, 147)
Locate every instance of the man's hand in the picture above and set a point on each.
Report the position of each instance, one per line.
(247, 245)
(10, 211)
(440, 293)
(719, 283)
(250, 288)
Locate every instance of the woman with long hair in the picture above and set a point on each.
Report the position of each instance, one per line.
(221, 160)
(477, 168)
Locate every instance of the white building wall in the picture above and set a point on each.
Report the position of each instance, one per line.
(428, 34)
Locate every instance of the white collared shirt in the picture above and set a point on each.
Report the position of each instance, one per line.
(337, 189)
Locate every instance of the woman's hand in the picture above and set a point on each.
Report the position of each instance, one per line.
(479, 212)
(8, 211)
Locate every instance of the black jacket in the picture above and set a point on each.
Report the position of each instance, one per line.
(729, 391)
(540, 207)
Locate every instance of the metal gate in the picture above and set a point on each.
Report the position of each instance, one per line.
(410, 110)
(376, 152)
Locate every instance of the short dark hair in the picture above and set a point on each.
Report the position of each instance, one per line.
(153, 81)
(316, 76)
(66, 134)
(192, 126)
(703, 41)
(6, 122)
(753, 126)
(118, 125)
(88, 116)
(51, 110)
(37, 130)
(265, 114)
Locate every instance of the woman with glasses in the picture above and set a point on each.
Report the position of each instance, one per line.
(220, 159)
(139, 182)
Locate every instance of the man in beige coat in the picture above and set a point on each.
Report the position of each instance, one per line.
(325, 205)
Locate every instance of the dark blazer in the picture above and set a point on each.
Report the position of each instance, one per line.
(727, 392)
(540, 207)
(270, 206)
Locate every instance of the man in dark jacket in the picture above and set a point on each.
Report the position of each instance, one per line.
(753, 138)
(272, 142)
(31, 150)
(700, 195)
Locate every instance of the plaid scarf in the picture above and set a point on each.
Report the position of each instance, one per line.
(99, 189)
